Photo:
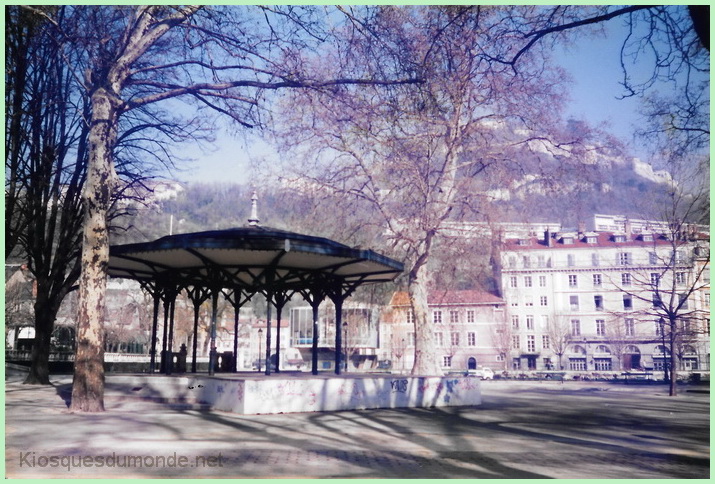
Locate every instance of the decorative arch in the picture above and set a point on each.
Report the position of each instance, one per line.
(578, 350)
(603, 349)
(661, 350)
(689, 350)
(631, 350)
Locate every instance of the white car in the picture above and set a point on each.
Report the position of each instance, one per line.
(484, 373)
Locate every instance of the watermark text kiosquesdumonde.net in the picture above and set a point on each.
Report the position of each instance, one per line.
(34, 460)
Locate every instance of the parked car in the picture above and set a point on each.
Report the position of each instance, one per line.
(483, 373)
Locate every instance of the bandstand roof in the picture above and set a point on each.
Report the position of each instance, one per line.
(251, 258)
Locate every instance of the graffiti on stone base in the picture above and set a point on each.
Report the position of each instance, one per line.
(399, 386)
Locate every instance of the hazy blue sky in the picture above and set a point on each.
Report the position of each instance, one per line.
(594, 63)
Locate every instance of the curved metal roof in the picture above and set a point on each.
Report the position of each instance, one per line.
(254, 259)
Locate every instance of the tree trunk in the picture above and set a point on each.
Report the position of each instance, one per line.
(673, 360)
(425, 349)
(88, 383)
(44, 323)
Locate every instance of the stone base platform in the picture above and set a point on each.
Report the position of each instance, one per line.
(251, 394)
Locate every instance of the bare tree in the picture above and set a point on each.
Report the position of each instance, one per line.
(423, 155)
(45, 165)
(131, 58)
(559, 332)
(501, 335)
(669, 283)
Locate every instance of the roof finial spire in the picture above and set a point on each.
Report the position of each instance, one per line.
(253, 219)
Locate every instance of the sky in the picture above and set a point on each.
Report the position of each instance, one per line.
(593, 62)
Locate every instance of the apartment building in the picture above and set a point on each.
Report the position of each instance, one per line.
(466, 324)
(594, 301)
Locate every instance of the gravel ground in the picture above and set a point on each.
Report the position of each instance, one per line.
(522, 430)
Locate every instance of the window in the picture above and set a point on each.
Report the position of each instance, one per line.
(513, 281)
(472, 338)
(542, 281)
(627, 302)
(439, 339)
(410, 317)
(528, 300)
(619, 238)
(657, 301)
(526, 261)
(652, 258)
(647, 237)
(577, 364)
(624, 259)
(630, 327)
(454, 317)
(455, 339)
(573, 302)
(515, 321)
(659, 327)
(541, 261)
(545, 341)
(600, 327)
(567, 240)
(598, 302)
(575, 327)
(626, 279)
(437, 317)
(531, 343)
(573, 280)
(603, 364)
(515, 342)
(683, 301)
(591, 239)
(512, 262)
(706, 302)
(571, 260)
(654, 279)
(411, 338)
(595, 262)
(527, 281)
(470, 316)
(680, 278)
(544, 300)
(530, 321)
(597, 280)
(446, 361)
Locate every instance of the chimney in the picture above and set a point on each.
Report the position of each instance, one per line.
(547, 238)
(581, 230)
(628, 229)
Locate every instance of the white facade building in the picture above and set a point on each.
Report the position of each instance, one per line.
(593, 301)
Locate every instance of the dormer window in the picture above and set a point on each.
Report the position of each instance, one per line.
(591, 239)
(523, 242)
(619, 238)
(567, 240)
(647, 237)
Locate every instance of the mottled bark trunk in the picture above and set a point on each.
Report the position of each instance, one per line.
(426, 362)
(88, 383)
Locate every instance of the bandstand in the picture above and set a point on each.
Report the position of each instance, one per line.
(239, 263)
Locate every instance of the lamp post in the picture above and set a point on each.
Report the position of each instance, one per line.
(260, 338)
(345, 344)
